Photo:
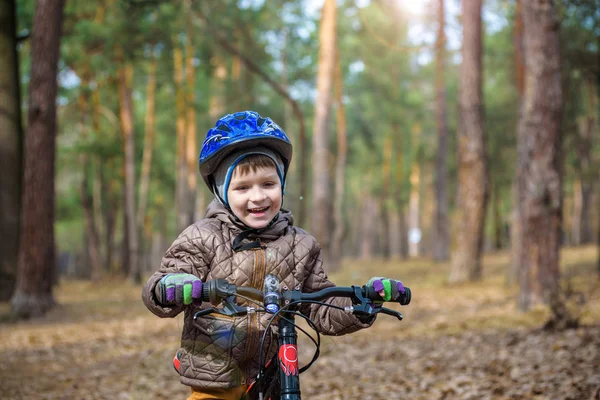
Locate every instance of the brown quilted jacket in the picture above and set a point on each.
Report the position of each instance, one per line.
(222, 352)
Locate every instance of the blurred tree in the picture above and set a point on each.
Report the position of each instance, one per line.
(516, 232)
(441, 240)
(539, 177)
(473, 174)
(321, 156)
(340, 167)
(11, 149)
(37, 259)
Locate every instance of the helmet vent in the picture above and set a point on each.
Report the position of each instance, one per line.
(260, 122)
(223, 128)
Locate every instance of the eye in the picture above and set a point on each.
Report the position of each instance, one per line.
(269, 184)
(240, 188)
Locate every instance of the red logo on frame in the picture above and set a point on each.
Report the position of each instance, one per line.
(288, 359)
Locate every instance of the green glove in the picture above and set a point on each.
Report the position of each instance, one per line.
(179, 289)
(388, 289)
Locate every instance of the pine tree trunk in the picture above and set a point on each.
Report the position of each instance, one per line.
(126, 118)
(539, 175)
(472, 169)
(148, 142)
(441, 239)
(191, 146)
(516, 231)
(92, 238)
(321, 155)
(340, 169)
(368, 230)
(37, 256)
(384, 200)
(11, 151)
(181, 168)
(582, 231)
(414, 212)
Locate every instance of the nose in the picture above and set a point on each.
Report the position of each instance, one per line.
(257, 194)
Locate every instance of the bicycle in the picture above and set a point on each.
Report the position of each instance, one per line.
(282, 371)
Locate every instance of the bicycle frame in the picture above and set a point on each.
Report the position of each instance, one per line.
(289, 371)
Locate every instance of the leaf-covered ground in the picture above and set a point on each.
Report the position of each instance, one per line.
(465, 342)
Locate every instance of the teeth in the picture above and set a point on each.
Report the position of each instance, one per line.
(258, 209)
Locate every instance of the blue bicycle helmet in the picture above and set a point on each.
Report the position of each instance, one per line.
(241, 130)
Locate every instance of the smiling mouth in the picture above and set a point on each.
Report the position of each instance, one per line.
(258, 210)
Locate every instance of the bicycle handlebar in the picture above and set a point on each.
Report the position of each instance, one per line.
(363, 298)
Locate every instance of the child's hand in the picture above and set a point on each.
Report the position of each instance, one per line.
(388, 289)
(179, 289)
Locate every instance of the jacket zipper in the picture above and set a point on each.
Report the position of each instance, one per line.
(255, 282)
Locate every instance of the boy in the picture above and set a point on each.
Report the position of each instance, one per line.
(244, 236)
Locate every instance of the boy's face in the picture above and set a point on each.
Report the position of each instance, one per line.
(255, 197)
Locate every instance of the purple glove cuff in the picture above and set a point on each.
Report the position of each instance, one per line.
(197, 289)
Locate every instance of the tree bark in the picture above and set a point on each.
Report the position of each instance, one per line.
(148, 142)
(92, 238)
(11, 150)
(191, 146)
(340, 169)
(441, 239)
(180, 185)
(37, 256)
(414, 211)
(516, 231)
(539, 178)
(584, 167)
(472, 168)
(126, 118)
(321, 219)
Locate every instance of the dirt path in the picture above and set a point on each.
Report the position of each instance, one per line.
(130, 358)
(466, 342)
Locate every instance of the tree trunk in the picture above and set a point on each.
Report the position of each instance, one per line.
(37, 257)
(414, 212)
(384, 200)
(516, 231)
(321, 155)
(368, 213)
(148, 142)
(340, 169)
(539, 179)
(584, 167)
(92, 238)
(191, 146)
(11, 150)
(126, 117)
(181, 168)
(472, 169)
(441, 240)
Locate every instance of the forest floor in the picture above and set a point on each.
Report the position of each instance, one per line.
(459, 342)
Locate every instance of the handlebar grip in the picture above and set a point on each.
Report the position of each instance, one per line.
(205, 293)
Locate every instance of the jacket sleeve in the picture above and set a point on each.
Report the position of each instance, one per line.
(329, 321)
(188, 254)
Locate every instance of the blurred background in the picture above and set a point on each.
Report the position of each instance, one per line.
(457, 137)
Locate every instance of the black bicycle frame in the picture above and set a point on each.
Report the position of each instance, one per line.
(289, 371)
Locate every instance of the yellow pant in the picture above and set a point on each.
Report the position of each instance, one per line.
(218, 394)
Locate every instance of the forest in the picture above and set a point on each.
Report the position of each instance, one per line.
(453, 145)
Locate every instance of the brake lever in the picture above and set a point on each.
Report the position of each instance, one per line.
(229, 309)
(387, 311)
